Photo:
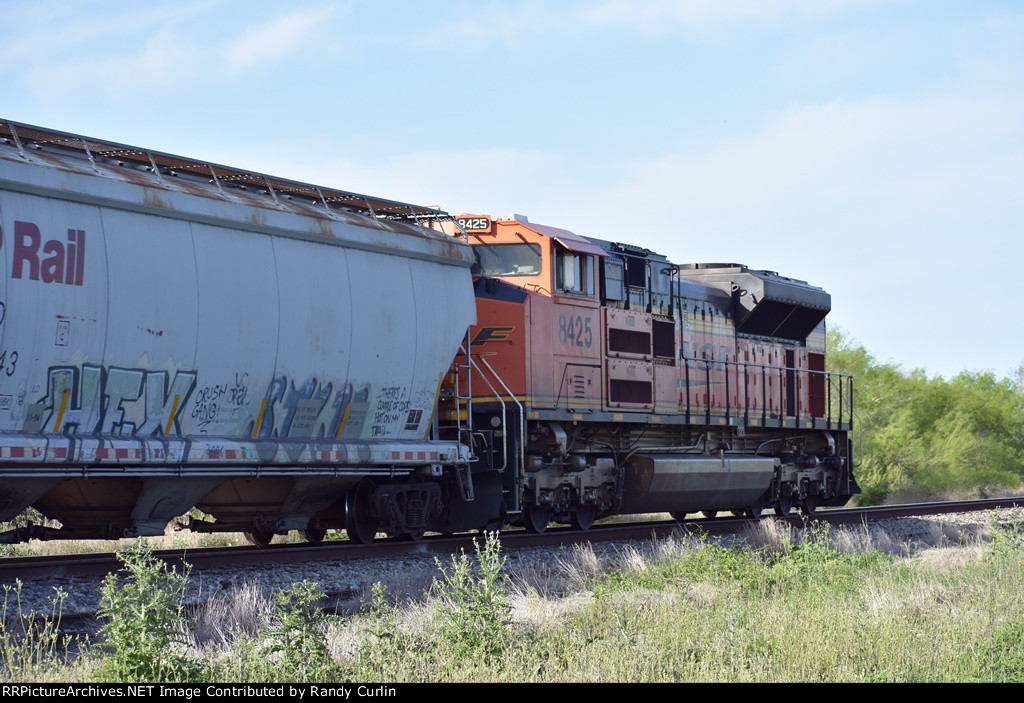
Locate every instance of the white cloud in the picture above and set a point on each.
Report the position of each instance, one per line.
(88, 56)
(164, 59)
(46, 32)
(876, 161)
(275, 39)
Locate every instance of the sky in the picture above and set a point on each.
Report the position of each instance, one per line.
(874, 148)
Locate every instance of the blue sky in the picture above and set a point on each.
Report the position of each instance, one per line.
(872, 147)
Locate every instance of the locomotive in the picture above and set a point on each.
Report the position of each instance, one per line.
(189, 343)
(602, 379)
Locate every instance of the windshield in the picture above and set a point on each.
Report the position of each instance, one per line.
(507, 259)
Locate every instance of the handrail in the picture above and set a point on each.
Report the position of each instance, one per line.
(522, 425)
(793, 382)
(470, 365)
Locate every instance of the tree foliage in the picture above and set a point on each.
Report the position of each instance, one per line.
(929, 436)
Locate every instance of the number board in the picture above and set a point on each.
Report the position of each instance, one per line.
(474, 223)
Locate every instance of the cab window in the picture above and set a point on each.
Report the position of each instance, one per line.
(507, 259)
(574, 273)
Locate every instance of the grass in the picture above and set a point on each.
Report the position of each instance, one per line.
(782, 604)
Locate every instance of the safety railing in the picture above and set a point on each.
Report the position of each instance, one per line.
(730, 390)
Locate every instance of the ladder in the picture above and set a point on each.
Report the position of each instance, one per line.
(462, 371)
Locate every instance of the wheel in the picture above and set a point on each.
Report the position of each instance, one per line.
(783, 506)
(313, 534)
(582, 518)
(808, 505)
(752, 513)
(259, 538)
(709, 513)
(359, 521)
(738, 513)
(678, 517)
(536, 519)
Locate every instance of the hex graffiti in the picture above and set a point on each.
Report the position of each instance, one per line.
(111, 400)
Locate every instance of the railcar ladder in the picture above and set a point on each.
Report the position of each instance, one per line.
(464, 399)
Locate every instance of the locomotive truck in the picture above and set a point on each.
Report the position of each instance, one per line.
(189, 343)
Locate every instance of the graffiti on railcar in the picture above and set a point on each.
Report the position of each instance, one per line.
(392, 406)
(222, 402)
(313, 408)
(111, 400)
(323, 409)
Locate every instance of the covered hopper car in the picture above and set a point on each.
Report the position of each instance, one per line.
(180, 338)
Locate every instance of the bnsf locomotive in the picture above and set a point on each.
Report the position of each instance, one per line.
(180, 338)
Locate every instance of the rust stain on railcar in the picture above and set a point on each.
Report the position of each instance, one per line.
(322, 227)
(154, 200)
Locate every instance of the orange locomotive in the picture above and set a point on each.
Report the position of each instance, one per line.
(603, 379)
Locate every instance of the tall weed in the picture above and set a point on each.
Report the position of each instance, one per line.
(144, 636)
(31, 646)
(473, 601)
(300, 635)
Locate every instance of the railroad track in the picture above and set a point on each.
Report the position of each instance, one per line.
(99, 563)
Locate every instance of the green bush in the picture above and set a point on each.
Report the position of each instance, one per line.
(144, 636)
(931, 437)
(473, 603)
(300, 636)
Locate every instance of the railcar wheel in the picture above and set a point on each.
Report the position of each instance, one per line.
(783, 506)
(808, 505)
(312, 534)
(709, 514)
(259, 538)
(752, 513)
(582, 518)
(678, 517)
(536, 519)
(359, 521)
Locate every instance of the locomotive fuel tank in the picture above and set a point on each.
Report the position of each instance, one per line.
(677, 483)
